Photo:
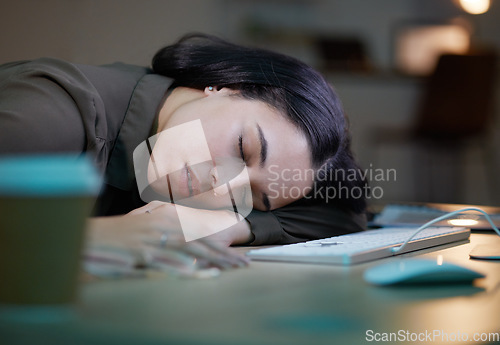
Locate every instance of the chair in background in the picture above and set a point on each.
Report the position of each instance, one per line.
(455, 111)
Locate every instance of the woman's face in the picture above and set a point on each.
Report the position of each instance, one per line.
(219, 143)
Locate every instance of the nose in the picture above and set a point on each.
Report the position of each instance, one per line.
(227, 170)
(231, 179)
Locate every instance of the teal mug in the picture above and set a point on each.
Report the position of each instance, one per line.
(44, 203)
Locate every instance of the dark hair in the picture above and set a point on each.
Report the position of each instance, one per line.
(291, 86)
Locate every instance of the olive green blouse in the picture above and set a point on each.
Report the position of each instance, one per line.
(50, 105)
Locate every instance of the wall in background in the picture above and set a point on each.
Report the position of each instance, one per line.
(101, 31)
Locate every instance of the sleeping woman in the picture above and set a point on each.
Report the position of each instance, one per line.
(215, 145)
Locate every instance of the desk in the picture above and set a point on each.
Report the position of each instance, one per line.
(277, 303)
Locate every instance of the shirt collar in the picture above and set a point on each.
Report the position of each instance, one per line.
(140, 118)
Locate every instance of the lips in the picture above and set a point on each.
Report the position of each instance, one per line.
(186, 182)
(180, 184)
(184, 187)
(193, 184)
(189, 181)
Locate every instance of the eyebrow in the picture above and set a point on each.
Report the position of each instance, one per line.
(263, 146)
(263, 157)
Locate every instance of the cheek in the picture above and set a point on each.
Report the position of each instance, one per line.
(222, 141)
(181, 144)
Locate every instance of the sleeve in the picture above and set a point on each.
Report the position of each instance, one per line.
(301, 221)
(36, 112)
(48, 105)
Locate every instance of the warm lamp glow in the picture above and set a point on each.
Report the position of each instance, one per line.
(475, 6)
(419, 48)
(463, 222)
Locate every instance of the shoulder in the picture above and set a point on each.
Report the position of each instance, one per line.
(58, 75)
(62, 70)
(38, 66)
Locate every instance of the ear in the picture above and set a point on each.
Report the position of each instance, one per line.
(214, 90)
(210, 89)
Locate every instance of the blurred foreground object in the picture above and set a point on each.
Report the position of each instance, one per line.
(44, 203)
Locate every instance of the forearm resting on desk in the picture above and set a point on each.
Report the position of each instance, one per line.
(148, 223)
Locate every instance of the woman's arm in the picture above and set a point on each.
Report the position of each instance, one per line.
(48, 105)
(147, 225)
(222, 226)
(303, 221)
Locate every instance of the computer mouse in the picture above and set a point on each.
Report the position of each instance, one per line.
(419, 271)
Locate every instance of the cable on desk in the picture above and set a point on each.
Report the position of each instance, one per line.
(443, 217)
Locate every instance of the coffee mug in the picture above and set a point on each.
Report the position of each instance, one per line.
(44, 203)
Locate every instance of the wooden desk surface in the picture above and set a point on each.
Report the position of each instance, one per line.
(282, 303)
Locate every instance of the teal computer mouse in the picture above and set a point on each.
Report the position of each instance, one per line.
(419, 271)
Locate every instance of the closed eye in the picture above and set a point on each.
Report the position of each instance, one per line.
(240, 145)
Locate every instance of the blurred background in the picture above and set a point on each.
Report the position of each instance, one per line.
(381, 57)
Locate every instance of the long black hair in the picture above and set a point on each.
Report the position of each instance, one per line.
(289, 85)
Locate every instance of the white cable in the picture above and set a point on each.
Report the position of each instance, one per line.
(443, 217)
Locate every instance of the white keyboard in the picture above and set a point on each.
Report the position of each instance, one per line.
(361, 246)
